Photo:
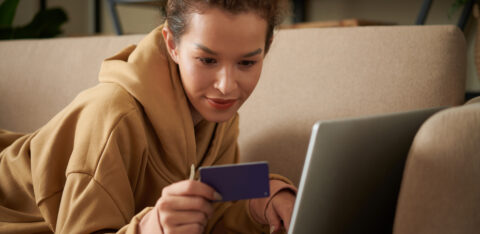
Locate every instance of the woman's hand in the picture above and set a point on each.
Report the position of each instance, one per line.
(279, 210)
(185, 207)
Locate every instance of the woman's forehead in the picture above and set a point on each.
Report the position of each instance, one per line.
(216, 30)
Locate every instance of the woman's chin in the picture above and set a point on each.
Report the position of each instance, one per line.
(212, 114)
(219, 118)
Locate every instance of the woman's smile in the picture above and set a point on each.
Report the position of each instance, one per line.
(221, 104)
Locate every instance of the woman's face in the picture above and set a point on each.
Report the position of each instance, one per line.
(220, 58)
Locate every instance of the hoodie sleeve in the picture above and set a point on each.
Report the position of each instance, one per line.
(86, 162)
(103, 200)
(7, 138)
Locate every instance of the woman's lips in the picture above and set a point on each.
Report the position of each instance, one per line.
(221, 104)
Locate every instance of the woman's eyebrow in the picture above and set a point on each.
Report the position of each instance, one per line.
(253, 53)
(208, 50)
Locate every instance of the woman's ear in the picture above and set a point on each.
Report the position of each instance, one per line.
(170, 42)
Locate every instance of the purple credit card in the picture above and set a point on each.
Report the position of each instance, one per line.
(238, 181)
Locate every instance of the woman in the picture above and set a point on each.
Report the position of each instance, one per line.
(118, 157)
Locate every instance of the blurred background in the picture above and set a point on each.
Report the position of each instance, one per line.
(87, 17)
(96, 17)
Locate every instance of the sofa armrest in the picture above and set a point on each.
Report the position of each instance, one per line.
(440, 190)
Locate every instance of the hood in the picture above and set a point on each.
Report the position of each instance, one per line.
(149, 74)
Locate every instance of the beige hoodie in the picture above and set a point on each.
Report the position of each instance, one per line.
(102, 162)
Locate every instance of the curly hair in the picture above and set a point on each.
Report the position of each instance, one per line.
(273, 11)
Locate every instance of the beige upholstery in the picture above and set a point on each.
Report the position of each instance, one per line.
(314, 74)
(40, 77)
(440, 190)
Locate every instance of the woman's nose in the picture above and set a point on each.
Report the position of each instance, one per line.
(226, 82)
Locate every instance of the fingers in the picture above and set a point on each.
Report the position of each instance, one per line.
(189, 228)
(191, 188)
(174, 218)
(185, 203)
(185, 207)
(274, 220)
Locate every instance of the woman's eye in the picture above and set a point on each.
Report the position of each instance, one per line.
(208, 61)
(247, 63)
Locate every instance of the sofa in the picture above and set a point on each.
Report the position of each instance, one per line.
(309, 74)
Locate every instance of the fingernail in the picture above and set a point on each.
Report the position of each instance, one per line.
(272, 229)
(217, 196)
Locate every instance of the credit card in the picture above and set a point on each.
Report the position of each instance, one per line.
(238, 181)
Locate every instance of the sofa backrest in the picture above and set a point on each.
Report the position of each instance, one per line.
(318, 74)
(309, 74)
(40, 77)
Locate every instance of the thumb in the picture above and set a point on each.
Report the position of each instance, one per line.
(273, 219)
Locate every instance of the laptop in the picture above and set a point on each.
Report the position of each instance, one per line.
(352, 173)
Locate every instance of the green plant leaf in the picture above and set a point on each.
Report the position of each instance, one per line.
(7, 12)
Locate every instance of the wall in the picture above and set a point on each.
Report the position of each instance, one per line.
(140, 19)
(134, 19)
(25, 12)
(394, 11)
